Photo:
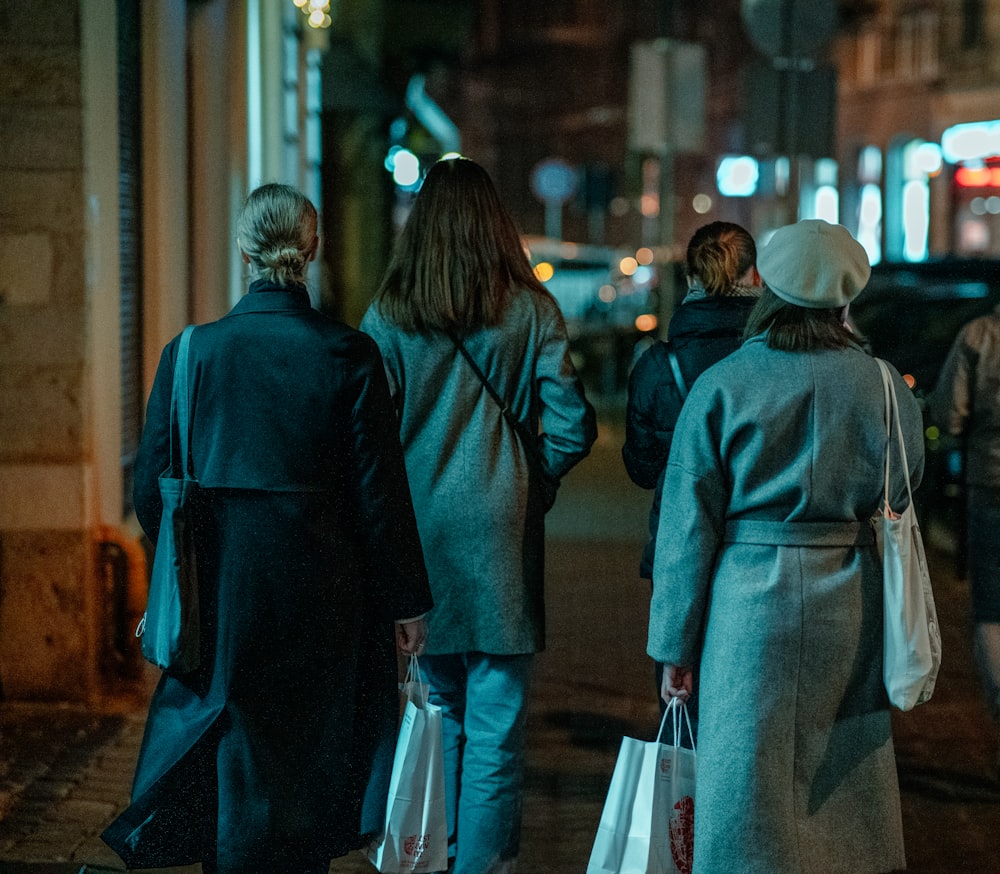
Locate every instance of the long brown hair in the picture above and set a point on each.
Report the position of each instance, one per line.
(459, 257)
(719, 254)
(797, 329)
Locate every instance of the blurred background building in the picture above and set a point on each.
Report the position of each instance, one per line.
(131, 131)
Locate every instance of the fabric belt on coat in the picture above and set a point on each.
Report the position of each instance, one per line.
(766, 533)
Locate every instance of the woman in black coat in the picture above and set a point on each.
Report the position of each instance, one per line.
(274, 755)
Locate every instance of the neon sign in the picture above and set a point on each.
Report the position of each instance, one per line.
(971, 142)
(978, 177)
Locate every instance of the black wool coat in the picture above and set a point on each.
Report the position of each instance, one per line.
(281, 742)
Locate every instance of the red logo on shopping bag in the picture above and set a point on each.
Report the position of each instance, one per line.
(416, 845)
(682, 834)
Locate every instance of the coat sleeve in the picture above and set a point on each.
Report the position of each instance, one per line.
(153, 455)
(650, 416)
(387, 526)
(951, 398)
(568, 421)
(689, 536)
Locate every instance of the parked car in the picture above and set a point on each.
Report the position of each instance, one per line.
(911, 314)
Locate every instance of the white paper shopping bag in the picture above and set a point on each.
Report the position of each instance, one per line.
(415, 838)
(647, 825)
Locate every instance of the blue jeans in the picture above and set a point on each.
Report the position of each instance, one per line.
(484, 703)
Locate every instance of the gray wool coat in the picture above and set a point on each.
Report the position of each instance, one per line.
(767, 583)
(478, 510)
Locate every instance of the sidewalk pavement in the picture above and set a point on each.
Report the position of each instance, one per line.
(65, 771)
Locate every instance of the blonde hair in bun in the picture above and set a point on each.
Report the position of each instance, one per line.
(276, 231)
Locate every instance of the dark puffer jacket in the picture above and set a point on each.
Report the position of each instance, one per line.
(702, 331)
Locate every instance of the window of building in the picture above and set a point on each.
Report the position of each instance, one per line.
(870, 202)
(921, 161)
(972, 23)
(869, 51)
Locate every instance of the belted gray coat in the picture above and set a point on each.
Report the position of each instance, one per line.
(281, 742)
(479, 511)
(767, 582)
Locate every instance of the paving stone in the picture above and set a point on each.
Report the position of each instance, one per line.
(106, 794)
(84, 813)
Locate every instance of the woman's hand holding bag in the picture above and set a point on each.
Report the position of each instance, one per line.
(647, 825)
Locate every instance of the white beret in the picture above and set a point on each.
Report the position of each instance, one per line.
(814, 264)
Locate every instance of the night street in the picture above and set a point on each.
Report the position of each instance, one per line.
(260, 170)
(60, 784)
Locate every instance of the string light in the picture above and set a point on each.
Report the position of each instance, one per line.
(317, 12)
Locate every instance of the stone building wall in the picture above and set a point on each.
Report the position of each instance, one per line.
(46, 552)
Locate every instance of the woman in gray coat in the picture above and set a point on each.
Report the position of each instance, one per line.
(767, 583)
(459, 279)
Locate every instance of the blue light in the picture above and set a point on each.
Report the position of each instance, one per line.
(406, 169)
(390, 158)
(737, 176)
(971, 141)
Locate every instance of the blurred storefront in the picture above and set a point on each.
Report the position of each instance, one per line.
(918, 102)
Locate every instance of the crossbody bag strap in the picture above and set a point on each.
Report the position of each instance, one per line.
(675, 367)
(527, 440)
(180, 403)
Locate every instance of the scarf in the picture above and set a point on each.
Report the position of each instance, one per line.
(696, 292)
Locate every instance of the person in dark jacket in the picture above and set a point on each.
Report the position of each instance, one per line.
(723, 286)
(274, 755)
(966, 404)
(459, 274)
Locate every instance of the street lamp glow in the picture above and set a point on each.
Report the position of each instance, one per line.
(405, 168)
(317, 12)
(544, 271)
(737, 176)
(645, 322)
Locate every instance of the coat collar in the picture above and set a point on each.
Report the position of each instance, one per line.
(265, 296)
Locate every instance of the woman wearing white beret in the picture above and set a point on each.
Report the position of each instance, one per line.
(767, 583)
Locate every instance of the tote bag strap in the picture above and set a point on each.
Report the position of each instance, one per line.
(892, 412)
(180, 405)
(677, 712)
